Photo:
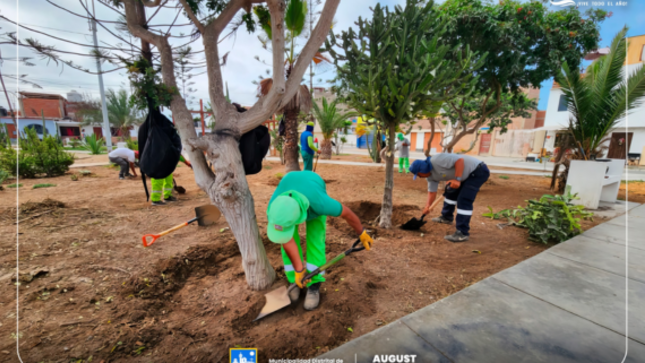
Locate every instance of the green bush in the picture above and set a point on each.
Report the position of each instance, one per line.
(74, 143)
(94, 145)
(45, 185)
(132, 144)
(14, 185)
(550, 219)
(36, 157)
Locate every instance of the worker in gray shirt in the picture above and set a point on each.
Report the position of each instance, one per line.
(403, 146)
(464, 175)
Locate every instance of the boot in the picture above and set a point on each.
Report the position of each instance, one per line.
(294, 294)
(441, 219)
(457, 237)
(170, 199)
(158, 203)
(313, 296)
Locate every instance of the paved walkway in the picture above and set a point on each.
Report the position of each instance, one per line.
(564, 305)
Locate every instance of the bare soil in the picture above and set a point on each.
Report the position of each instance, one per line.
(89, 289)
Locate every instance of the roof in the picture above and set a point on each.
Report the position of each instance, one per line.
(49, 96)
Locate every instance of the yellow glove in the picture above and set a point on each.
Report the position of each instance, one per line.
(366, 240)
(300, 275)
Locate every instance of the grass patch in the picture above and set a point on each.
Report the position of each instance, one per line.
(78, 148)
(632, 181)
(505, 177)
(279, 176)
(14, 185)
(45, 185)
(268, 167)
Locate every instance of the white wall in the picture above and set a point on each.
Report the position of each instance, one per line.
(419, 142)
(553, 116)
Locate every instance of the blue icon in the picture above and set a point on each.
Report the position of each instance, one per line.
(243, 355)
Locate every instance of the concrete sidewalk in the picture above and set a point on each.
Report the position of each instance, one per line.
(564, 305)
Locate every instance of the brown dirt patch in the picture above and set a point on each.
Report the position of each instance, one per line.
(91, 289)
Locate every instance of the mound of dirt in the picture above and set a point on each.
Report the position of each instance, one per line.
(28, 208)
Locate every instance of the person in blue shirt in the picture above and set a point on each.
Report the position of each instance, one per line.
(307, 146)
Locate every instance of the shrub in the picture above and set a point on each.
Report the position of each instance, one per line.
(14, 185)
(132, 144)
(74, 143)
(44, 185)
(550, 219)
(504, 177)
(36, 157)
(94, 145)
(74, 177)
(3, 176)
(279, 176)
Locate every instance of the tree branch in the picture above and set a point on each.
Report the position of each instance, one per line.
(192, 16)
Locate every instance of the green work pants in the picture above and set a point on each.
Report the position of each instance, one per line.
(316, 232)
(405, 161)
(307, 160)
(160, 186)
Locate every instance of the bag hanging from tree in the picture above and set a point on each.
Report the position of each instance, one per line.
(254, 146)
(159, 147)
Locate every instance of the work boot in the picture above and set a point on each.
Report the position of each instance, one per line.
(121, 177)
(313, 296)
(171, 199)
(158, 203)
(441, 219)
(457, 237)
(294, 294)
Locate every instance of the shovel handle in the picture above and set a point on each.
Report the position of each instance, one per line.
(335, 260)
(147, 243)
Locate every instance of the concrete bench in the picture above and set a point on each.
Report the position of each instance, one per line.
(595, 181)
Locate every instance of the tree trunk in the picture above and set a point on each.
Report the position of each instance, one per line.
(325, 148)
(429, 146)
(378, 147)
(385, 217)
(291, 150)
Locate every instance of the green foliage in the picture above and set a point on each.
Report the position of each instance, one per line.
(74, 143)
(295, 16)
(132, 144)
(94, 145)
(14, 185)
(550, 219)
(36, 157)
(278, 143)
(599, 100)
(44, 185)
(4, 135)
(396, 66)
(330, 118)
(279, 176)
(3, 176)
(505, 177)
(147, 84)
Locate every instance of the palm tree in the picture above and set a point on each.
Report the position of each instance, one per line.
(121, 114)
(294, 18)
(597, 101)
(330, 120)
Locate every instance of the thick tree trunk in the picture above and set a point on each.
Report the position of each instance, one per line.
(325, 148)
(385, 218)
(291, 150)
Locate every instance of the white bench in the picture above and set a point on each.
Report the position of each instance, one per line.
(595, 181)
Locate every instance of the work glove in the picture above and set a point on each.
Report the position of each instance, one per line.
(366, 240)
(300, 275)
(454, 184)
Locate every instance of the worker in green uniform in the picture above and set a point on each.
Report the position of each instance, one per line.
(301, 197)
(164, 186)
(307, 146)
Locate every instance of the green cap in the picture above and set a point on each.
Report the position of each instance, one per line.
(400, 136)
(310, 123)
(285, 213)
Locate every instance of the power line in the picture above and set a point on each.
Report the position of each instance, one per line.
(60, 30)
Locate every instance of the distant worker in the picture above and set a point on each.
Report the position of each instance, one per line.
(124, 157)
(164, 186)
(301, 197)
(403, 146)
(464, 175)
(307, 146)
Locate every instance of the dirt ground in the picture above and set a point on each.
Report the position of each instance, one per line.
(89, 290)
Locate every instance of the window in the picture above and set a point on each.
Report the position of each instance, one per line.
(70, 131)
(36, 127)
(562, 106)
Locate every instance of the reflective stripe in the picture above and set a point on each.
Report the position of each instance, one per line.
(451, 202)
(311, 267)
(167, 189)
(288, 268)
(464, 212)
(156, 191)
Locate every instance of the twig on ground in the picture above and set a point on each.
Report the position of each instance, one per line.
(110, 268)
(34, 216)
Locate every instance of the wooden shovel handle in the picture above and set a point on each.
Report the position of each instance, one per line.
(440, 199)
(154, 237)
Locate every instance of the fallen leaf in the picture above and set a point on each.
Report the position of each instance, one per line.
(527, 247)
(336, 290)
(477, 251)
(223, 230)
(350, 329)
(138, 343)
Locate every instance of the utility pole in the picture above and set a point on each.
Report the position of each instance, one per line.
(106, 123)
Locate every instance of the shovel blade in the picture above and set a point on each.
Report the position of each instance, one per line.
(207, 215)
(413, 224)
(276, 300)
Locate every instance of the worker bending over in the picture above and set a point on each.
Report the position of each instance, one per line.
(124, 157)
(301, 197)
(307, 146)
(464, 175)
(164, 187)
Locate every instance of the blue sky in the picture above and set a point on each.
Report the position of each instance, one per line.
(241, 68)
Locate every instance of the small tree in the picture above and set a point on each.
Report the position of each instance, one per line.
(597, 102)
(122, 114)
(526, 45)
(396, 69)
(330, 120)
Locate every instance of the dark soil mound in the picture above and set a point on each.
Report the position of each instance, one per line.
(28, 208)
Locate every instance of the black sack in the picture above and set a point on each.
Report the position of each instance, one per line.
(159, 147)
(254, 146)
(282, 129)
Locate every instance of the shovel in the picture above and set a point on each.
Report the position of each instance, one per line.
(205, 216)
(415, 224)
(316, 163)
(178, 188)
(279, 298)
